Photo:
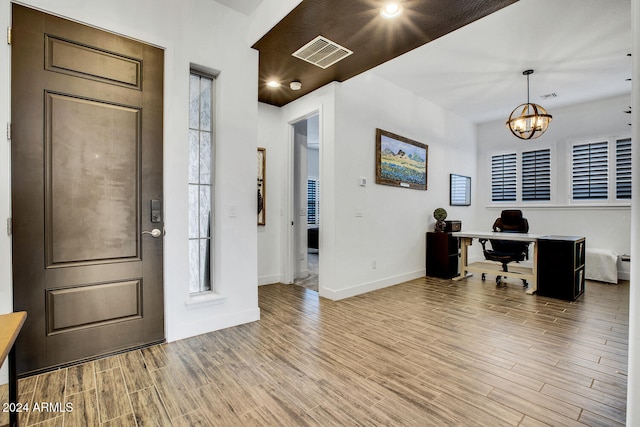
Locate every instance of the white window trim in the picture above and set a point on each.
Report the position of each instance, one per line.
(204, 299)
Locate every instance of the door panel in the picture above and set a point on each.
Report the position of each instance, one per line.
(91, 183)
(84, 306)
(86, 161)
(66, 57)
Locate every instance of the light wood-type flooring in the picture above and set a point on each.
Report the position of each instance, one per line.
(428, 352)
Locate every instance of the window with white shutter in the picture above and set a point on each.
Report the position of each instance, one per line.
(623, 168)
(503, 177)
(313, 201)
(536, 175)
(590, 171)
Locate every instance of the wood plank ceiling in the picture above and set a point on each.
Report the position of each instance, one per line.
(358, 26)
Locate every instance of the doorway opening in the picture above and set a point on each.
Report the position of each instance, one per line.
(306, 202)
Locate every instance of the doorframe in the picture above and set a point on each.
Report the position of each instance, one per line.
(289, 250)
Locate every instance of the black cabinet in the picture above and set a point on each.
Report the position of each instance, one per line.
(561, 267)
(442, 255)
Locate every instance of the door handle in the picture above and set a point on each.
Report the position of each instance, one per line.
(154, 233)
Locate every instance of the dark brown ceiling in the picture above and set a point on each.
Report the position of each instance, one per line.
(358, 26)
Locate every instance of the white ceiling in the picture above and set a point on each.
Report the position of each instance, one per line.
(243, 6)
(578, 49)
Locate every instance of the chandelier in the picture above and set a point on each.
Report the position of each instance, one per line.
(528, 121)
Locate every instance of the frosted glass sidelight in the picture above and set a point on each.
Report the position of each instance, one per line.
(194, 266)
(200, 181)
(194, 211)
(205, 158)
(205, 274)
(194, 157)
(205, 210)
(194, 101)
(205, 104)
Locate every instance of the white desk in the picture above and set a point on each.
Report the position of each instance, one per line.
(466, 239)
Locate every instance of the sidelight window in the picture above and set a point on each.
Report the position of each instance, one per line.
(201, 89)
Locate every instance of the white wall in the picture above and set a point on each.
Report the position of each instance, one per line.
(272, 136)
(604, 225)
(210, 35)
(391, 230)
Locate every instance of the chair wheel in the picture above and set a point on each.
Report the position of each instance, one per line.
(524, 283)
(484, 277)
(498, 281)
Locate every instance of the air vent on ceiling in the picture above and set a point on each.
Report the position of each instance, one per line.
(322, 52)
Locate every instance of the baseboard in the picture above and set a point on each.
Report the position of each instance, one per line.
(201, 326)
(338, 294)
(269, 280)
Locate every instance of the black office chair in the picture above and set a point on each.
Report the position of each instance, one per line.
(507, 251)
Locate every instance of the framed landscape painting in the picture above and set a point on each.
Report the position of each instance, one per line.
(400, 161)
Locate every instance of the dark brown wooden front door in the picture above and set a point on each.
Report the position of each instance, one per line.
(86, 183)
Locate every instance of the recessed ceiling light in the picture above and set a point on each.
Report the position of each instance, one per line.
(273, 83)
(391, 10)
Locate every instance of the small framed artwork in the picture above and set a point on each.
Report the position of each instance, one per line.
(459, 190)
(262, 183)
(400, 161)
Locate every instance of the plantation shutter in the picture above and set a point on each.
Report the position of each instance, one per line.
(623, 168)
(536, 175)
(313, 201)
(503, 178)
(590, 171)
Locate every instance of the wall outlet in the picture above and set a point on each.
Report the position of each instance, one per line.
(374, 265)
(302, 256)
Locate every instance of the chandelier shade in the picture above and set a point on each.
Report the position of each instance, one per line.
(528, 121)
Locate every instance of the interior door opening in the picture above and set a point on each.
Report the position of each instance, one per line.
(306, 202)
